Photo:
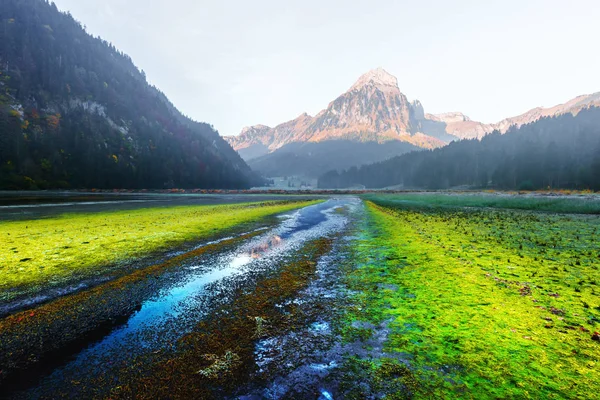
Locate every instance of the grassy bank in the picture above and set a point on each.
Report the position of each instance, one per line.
(480, 304)
(588, 204)
(47, 252)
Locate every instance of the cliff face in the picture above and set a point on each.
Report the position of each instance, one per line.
(372, 110)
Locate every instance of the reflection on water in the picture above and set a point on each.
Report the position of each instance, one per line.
(259, 250)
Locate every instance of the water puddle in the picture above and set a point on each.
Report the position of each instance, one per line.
(69, 204)
(176, 308)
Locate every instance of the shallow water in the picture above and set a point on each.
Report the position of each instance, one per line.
(34, 205)
(178, 306)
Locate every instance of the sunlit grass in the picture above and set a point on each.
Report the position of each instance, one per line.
(589, 204)
(37, 253)
(484, 304)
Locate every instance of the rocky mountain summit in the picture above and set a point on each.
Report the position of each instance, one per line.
(372, 110)
(375, 110)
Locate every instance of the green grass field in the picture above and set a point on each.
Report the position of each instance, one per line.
(480, 303)
(40, 253)
(589, 204)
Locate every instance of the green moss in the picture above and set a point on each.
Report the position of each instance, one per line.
(382, 376)
(39, 253)
(499, 304)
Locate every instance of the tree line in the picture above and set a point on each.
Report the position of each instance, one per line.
(553, 152)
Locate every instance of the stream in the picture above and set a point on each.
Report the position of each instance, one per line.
(187, 297)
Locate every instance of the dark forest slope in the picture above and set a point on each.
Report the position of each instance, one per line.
(312, 159)
(557, 152)
(76, 112)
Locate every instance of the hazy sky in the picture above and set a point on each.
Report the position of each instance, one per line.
(245, 62)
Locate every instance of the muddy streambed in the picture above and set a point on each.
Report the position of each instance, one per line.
(246, 317)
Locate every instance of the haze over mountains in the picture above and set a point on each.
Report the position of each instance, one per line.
(373, 111)
(77, 113)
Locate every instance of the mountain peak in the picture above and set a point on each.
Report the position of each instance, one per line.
(378, 77)
(258, 127)
(449, 117)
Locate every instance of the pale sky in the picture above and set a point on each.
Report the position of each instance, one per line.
(246, 62)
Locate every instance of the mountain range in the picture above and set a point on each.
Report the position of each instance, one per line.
(558, 151)
(75, 112)
(374, 111)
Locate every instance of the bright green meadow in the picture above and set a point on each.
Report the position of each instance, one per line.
(582, 204)
(479, 303)
(37, 253)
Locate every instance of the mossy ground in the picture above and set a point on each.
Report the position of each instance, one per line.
(443, 302)
(557, 203)
(42, 334)
(216, 359)
(37, 254)
(479, 303)
(234, 330)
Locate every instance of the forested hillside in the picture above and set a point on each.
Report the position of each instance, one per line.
(76, 112)
(557, 152)
(312, 159)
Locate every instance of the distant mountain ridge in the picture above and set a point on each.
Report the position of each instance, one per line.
(461, 126)
(573, 106)
(374, 109)
(311, 159)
